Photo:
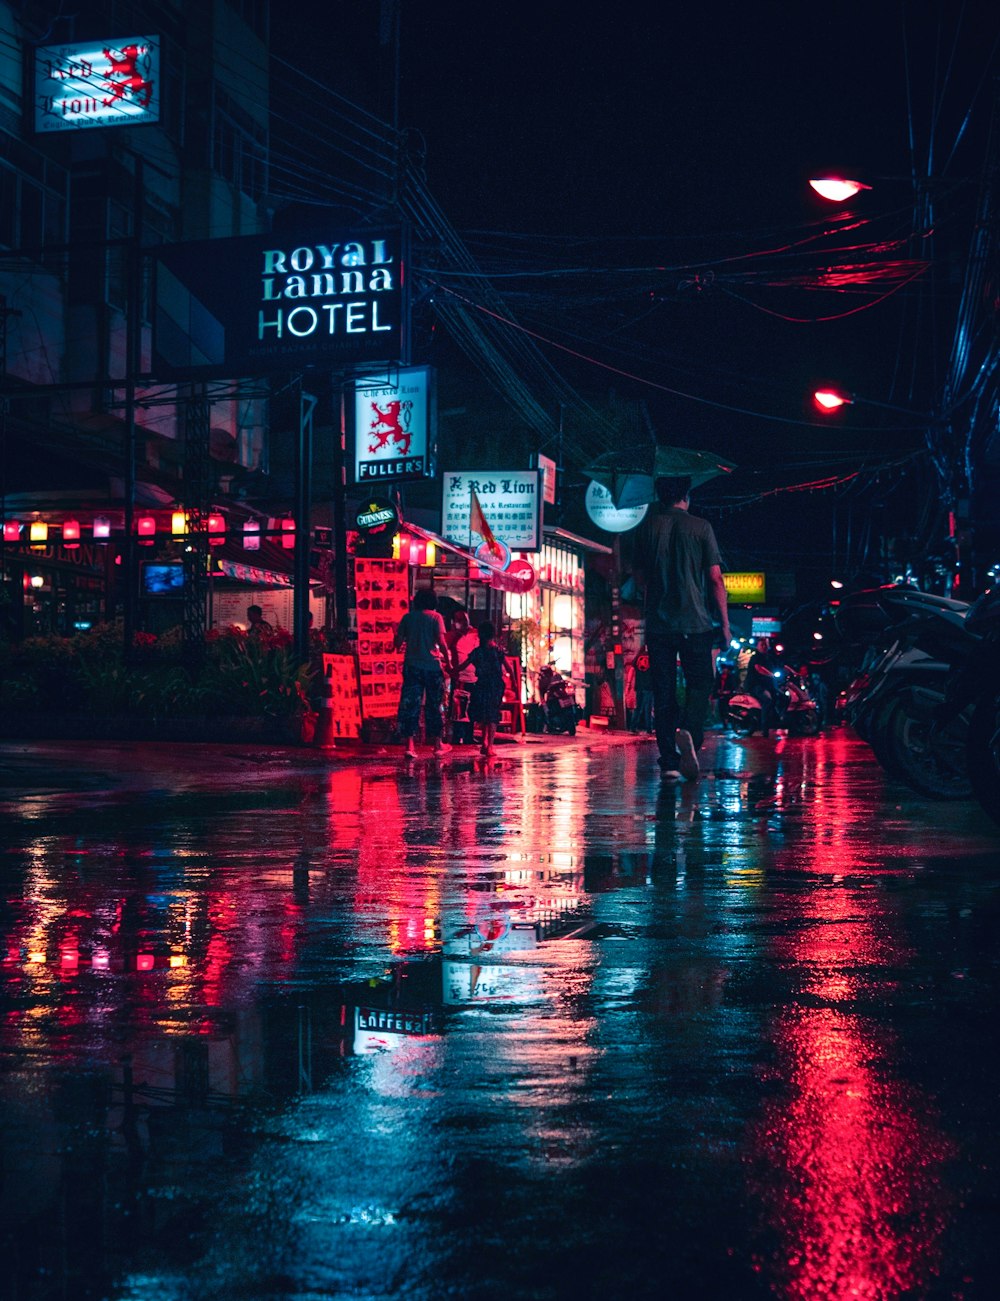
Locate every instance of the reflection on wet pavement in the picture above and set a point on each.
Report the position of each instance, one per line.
(542, 1028)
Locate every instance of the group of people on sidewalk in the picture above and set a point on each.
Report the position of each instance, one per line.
(474, 663)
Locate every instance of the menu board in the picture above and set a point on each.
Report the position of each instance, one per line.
(340, 676)
(382, 590)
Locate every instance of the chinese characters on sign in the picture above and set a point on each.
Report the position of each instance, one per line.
(98, 83)
(510, 501)
(394, 435)
(606, 515)
(383, 597)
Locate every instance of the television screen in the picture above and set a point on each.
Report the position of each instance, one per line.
(163, 580)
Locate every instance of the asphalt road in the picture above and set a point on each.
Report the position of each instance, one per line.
(286, 1025)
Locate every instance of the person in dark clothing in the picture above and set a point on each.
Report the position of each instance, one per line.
(257, 625)
(677, 559)
(488, 689)
(423, 633)
(761, 682)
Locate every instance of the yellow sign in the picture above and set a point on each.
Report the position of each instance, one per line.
(745, 589)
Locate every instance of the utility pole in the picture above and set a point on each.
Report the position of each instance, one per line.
(133, 357)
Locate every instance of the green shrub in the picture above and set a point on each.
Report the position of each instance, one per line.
(239, 675)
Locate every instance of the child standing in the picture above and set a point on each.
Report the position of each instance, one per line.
(487, 691)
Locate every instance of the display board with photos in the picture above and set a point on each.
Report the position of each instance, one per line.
(340, 676)
(382, 592)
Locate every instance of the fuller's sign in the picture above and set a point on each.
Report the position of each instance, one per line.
(395, 435)
(97, 83)
(262, 303)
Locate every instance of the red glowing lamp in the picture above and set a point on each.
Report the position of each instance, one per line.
(288, 534)
(145, 527)
(837, 189)
(831, 399)
(71, 534)
(11, 531)
(216, 529)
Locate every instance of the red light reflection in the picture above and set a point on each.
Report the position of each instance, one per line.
(849, 1156)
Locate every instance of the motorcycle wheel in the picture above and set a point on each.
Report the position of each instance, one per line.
(877, 735)
(804, 723)
(927, 753)
(983, 753)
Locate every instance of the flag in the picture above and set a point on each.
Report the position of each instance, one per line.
(477, 524)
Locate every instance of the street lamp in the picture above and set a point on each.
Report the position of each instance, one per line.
(837, 189)
(830, 399)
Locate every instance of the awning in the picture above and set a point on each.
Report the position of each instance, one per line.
(269, 566)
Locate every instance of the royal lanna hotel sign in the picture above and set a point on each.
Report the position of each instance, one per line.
(258, 304)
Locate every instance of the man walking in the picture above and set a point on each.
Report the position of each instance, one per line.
(677, 560)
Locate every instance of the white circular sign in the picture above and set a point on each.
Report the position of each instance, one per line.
(606, 515)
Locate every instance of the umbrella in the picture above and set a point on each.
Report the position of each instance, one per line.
(629, 475)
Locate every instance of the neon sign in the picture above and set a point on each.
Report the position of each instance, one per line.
(259, 303)
(97, 83)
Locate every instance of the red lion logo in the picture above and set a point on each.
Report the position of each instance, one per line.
(124, 78)
(386, 425)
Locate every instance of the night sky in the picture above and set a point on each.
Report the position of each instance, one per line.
(566, 144)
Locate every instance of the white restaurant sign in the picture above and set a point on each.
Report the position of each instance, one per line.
(510, 502)
(97, 83)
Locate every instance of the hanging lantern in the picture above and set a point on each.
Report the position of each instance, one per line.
(178, 523)
(11, 531)
(216, 525)
(146, 529)
(102, 528)
(38, 533)
(288, 533)
(71, 534)
(430, 554)
(251, 535)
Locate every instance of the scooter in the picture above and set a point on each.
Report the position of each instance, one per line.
(794, 708)
(558, 701)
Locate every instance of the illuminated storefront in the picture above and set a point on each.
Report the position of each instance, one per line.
(549, 620)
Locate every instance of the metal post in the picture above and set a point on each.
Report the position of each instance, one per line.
(303, 527)
(196, 493)
(133, 355)
(615, 650)
(340, 587)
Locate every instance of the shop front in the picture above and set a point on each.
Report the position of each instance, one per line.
(53, 590)
(549, 621)
(536, 601)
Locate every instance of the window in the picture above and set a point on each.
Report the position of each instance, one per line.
(239, 146)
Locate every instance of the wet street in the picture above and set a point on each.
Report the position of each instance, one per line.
(286, 1027)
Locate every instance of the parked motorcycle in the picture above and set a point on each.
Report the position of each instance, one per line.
(795, 708)
(558, 701)
(983, 739)
(899, 702)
